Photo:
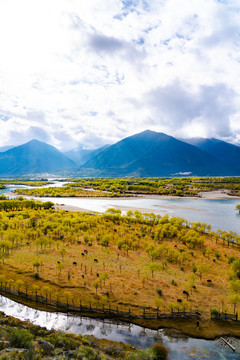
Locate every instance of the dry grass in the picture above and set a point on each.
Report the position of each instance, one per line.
(130, 282)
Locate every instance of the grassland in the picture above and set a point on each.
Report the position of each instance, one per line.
(133, 261)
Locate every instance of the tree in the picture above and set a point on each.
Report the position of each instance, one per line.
(19, 284)
(96, 285)
(234, 299)
(203, 269)
(234, 286)
(63, 252)
(46, 291)
(153, 267)
(105, 240)
(104, 277)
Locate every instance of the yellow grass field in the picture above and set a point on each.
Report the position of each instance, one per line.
(132, 261)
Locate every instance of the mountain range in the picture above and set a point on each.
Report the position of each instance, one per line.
(145, 154)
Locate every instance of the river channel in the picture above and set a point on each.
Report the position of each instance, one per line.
(180, 347)
(218, 213)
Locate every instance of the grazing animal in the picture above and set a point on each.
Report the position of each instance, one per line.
(96, 260)
(58, 262)
(175, 246)
(27, 243)
(194, 287)
(85, 251)
(74, 263)
(179, 300)
(185, 292)
(209, 281)
(82, 276)
(97, 275)
(83, 254)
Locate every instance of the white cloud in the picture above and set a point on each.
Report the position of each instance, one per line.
(95, 72)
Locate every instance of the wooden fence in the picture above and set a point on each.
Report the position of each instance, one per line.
(224, 316)
(78, 307)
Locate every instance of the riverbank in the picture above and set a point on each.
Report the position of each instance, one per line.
(208, 329)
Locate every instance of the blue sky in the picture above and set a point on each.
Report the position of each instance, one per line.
(75, 72)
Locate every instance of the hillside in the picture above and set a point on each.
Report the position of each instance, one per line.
(80, 155)
(33, 157)
(156, 154)
(228, 153)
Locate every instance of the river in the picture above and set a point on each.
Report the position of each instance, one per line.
(180, 347)
(218, 213)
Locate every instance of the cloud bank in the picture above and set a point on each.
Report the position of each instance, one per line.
(92, 73)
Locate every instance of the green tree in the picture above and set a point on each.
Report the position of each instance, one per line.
(153, 267)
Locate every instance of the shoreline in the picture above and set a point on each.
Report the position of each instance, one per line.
(208, 329)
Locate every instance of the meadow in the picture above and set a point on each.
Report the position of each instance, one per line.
(132, 262)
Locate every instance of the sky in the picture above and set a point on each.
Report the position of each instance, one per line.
(93, 72)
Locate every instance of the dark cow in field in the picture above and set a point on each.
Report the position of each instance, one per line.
(209, 281)
(82, 276)
(97, 275)
(185, 292)
(96, 260)
(58, 262)
(179, 300)
(74, 263)
(83, 254)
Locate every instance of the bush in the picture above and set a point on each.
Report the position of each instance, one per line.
(174, 282)
(87, 353)
(159, 352)
(214, 311)
(65, 341)
(159, 291)
(20, 338)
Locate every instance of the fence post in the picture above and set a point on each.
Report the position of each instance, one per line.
(144, 312)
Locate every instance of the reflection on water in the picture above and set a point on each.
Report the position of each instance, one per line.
(180, 348)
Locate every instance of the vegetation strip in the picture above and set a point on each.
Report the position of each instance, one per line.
(102, 187)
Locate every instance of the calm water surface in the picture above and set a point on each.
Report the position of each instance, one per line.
(180, 348)
(219, 213)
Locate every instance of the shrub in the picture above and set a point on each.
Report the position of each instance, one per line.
(20, 338)
(61, 340)
(231, 259)
(159, 291)
(159, 352)
(87, 353)
(174, 282)
(114, 350)
(214, 311)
